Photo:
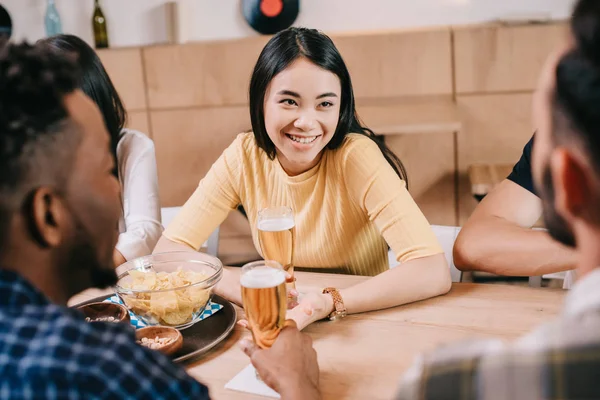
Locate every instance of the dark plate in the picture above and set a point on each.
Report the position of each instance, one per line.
(202, 336)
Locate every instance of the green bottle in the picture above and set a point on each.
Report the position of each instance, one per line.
(99, 24)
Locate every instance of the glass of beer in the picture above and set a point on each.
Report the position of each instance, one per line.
(265, 300)
(276, 236)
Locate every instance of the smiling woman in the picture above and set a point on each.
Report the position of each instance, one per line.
(300, 123)
(302, 89)
(308, 151)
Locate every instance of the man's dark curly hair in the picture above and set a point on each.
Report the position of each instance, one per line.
(37, 138)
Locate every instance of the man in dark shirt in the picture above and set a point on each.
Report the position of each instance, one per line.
(497, 238)
(521, 173)
(59, 208)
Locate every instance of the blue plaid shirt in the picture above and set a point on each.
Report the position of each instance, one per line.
(50, 352)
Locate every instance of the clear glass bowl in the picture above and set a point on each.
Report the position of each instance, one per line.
(178, 307)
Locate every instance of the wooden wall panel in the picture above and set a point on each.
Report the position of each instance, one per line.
(383, 115)
(466, 202)
(438, 202)
(501, 58)
(138, 120)
(429, 162)
(495, 128)
(126, 72)
(217, 73)
(398, 63)
(188, 142)
(201, 74)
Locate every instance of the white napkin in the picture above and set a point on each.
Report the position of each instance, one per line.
(247, 382)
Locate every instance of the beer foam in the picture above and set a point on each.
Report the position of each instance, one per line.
(262, 278)
(276, 225)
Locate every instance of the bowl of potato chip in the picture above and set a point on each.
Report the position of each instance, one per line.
(169, 289)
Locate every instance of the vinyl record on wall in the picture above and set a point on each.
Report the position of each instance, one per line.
(270, 16)
(5, 23)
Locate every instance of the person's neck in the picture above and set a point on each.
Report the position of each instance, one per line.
(588, 247)
(37, 269)
(295, 169)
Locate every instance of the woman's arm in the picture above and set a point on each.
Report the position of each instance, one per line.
(412, 281)
(415, 280)
(141, 204)
(215, 197)
(382, 195)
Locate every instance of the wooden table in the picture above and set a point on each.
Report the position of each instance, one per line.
(364, 355)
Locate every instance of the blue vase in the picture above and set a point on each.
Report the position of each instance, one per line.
(52, 21)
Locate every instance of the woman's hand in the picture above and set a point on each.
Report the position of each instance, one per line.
(313, 307)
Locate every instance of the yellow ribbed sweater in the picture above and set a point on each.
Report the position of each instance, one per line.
(346, 208)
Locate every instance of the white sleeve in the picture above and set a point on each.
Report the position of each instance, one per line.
(141, 204)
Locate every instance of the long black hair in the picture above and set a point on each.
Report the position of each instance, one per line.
(283, 49)
(95, 83)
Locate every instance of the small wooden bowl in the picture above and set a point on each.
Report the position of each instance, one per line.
(101, 310)
(152, 332)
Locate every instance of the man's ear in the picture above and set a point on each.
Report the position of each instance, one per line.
(46, 217)
(571, 181)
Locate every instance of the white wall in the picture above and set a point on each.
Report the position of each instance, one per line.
(142, 22)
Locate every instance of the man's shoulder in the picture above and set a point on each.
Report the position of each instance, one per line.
(52, 345)
(558, 360)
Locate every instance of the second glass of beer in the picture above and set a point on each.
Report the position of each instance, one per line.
(276, 236)
(265, 300)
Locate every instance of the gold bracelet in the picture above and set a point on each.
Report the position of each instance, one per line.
(340, 309)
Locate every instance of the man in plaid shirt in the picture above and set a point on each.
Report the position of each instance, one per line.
(59, 208)
(560, 360)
